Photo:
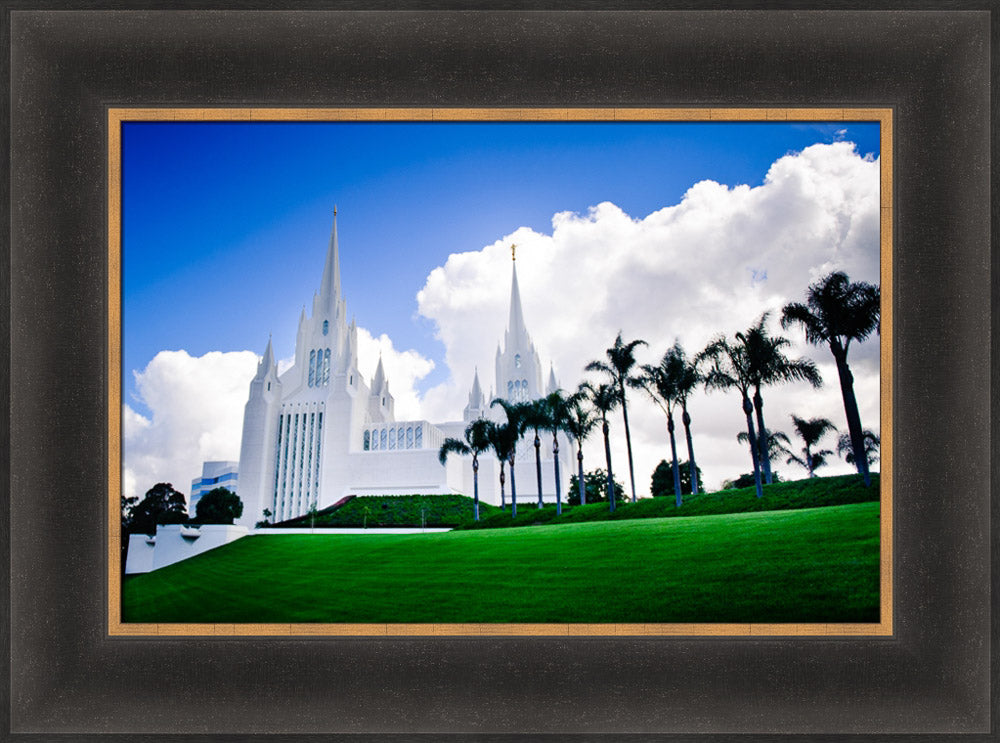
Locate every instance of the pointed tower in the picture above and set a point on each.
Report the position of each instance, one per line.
(329, 290)
(553, 385)
(381, 406)
(477, 405)
(518, 370)
(260, 431)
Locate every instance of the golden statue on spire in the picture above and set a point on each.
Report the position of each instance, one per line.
(512, 248)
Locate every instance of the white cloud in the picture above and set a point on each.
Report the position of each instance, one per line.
(196, 406)
(708, 265)
(403, 369)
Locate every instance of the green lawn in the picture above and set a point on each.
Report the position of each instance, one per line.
(807, 565)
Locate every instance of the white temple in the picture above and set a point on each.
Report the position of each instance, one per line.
(320, 431)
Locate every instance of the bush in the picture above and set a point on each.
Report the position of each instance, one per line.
(218, 506)
(595, 483)
(663, 479)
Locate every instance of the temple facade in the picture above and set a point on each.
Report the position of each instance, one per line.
(320, 431)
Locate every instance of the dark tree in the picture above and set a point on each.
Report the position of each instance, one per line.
(837, 312)
(595, 484)
(620, 359)
(769, 366)
(219, 506)
(477, 440)
(161, 505)
(662, 482)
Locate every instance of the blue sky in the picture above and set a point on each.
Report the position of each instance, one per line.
(225, 225)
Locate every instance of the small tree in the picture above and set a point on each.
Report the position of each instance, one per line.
(662, 482)
(161, 505)
(595, 483)
(219, 506)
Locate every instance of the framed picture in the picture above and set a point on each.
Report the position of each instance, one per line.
(920, 667)
(357, 434)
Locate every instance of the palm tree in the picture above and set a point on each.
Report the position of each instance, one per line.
(769, 365)
(811, 431)
(777, 444)
(688, 379)
(536, 417)
(556, 409)
(604, 398)
(837, 312)
(502, 439)
(476, 442)
(580, 422)
(845, 447)
(516, 422)
(660, 382)
(620, 360)
(731, 370)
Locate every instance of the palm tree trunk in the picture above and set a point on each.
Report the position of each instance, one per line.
(673, 453)
(762, 445)
(503, 503)
(513, 490)
(580, 484)
(748, 410)
(555, 457)
(809, 461)
(607, 455)
(628, 445)
(475, 487)
(853, 417)
(538, 466)
(686, 419)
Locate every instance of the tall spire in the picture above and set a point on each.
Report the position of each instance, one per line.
(330, 288)
(476, 395)
(516, 330)
(379, 381)
(266, 363)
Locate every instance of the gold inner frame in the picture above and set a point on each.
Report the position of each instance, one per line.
(117, 116)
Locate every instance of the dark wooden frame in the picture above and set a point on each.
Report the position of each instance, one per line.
(931, 677)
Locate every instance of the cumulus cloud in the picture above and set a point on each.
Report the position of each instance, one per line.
(708, 265)
(196, 415)
(403, 369)
(196, 406)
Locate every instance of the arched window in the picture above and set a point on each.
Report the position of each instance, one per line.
(510, 390)
(409, 437)
(326, 367)
(326, 327)
(392, 439)
(419, 437)
(517, 361)
(367, 440)
(312, 367)
(381, 444)
(401, 437)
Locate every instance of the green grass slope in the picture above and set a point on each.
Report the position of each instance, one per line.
(807, 565)
(397, 511)
(779, 496)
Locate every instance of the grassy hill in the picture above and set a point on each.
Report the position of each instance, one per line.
(397, 511)
(779, 496)
(805, 565)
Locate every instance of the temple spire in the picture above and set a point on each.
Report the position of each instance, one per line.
(517, 333)
(476, 395)
(266, 363)
(330, 288)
